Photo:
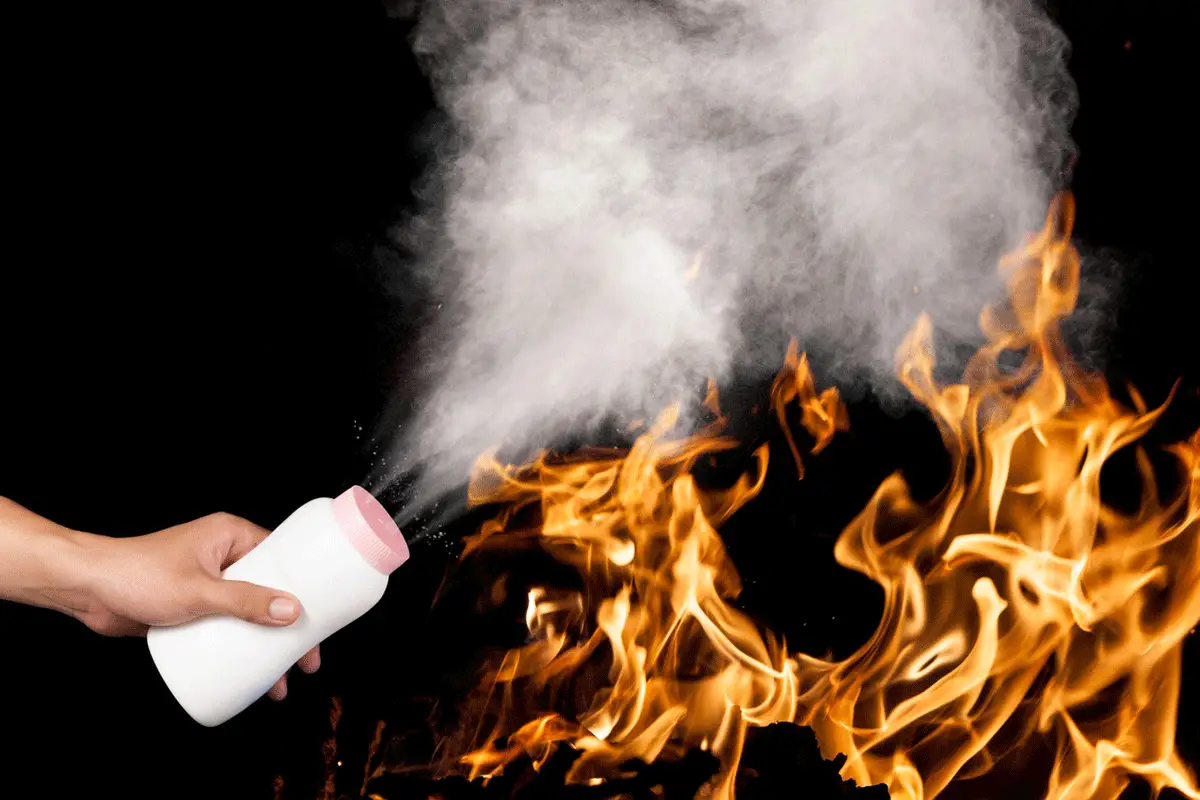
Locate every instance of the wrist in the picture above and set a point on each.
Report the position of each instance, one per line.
(71, 558)
(46, 564)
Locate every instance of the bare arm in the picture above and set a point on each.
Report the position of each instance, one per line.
(41, 563)
(120, 587)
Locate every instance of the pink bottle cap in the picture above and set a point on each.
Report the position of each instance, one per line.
(369, 527)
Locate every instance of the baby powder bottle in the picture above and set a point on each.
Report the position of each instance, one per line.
(334, 555)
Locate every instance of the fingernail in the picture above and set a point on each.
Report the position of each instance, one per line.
(282, 609)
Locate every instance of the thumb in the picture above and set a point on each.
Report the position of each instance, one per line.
(253, 603)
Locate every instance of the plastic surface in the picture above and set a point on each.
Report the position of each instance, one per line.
(370, 529)
(217, 666)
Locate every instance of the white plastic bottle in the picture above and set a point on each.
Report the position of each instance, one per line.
(334, 555)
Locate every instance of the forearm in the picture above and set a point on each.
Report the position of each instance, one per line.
(41, 563)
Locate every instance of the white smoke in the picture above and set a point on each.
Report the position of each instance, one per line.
(841, 165)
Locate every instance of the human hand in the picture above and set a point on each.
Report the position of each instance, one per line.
(173, 576)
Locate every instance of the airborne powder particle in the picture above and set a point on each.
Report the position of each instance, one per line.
(821, 158)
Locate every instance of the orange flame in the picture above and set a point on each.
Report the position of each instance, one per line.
(685, 669)
(1018, 607)
(644, 536)
(822, 415)
(1016, 601)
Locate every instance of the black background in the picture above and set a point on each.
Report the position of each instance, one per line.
(192, 320)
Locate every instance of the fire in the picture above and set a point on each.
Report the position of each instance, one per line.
(1017, 604)
(684, 668)
(1019, 608)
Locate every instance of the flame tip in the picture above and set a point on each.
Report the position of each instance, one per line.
(1015, 600)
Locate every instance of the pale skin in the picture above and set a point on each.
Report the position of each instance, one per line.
(122, 587)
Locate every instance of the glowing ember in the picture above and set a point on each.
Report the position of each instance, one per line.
(1019, 609)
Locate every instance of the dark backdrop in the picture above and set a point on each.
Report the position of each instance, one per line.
(191, 320)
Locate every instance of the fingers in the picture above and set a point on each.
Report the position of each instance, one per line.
(134, 629)
(310, 662)
(241, 536)
(251, 602)
(107, 624)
